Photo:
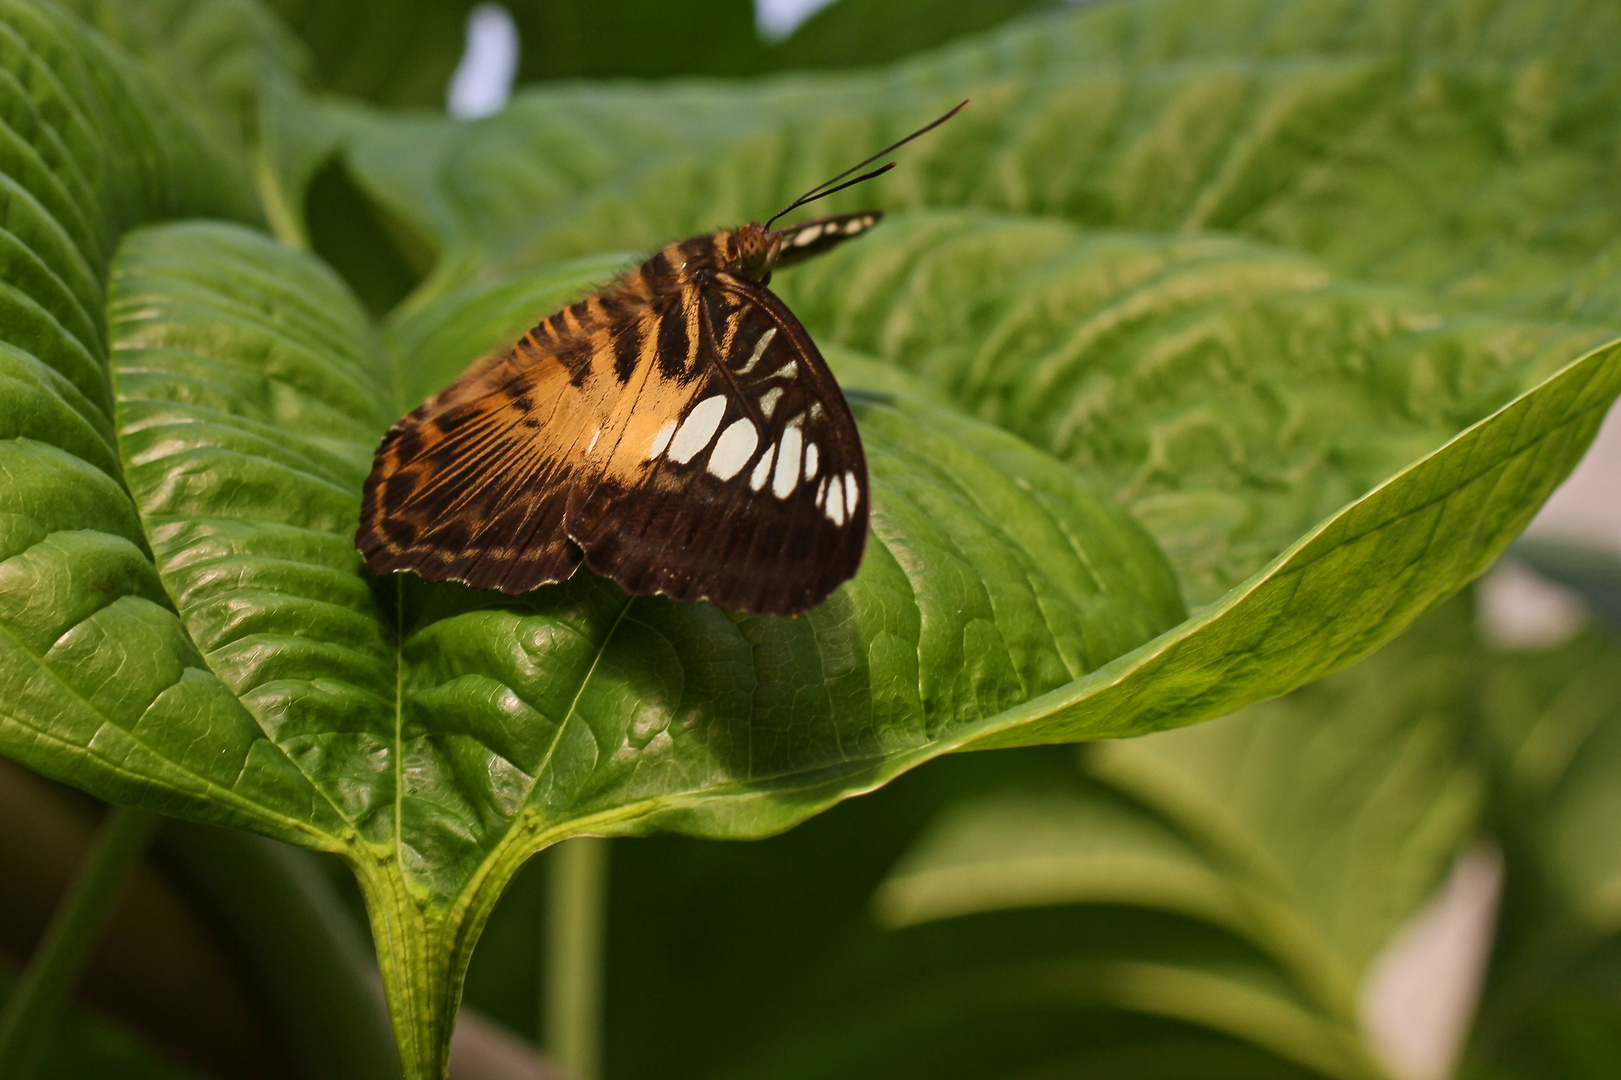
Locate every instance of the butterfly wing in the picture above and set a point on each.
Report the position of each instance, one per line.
(696, 446)
(753, 494)
(808, 238)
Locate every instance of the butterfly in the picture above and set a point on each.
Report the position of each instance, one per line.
(677, 432)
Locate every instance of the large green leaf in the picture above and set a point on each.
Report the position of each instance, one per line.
(89, 147)
(437, 737)
(1447, 144)
(1232, 395)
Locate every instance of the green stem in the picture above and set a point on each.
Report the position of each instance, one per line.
(285, 224)
(572, 1001)
(42, 994)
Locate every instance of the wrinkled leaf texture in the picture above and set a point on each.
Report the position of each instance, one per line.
(187, 626)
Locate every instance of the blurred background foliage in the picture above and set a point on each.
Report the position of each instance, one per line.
(402, 53)
(1207, 903)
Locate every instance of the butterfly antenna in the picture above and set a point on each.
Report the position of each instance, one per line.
(825, 188)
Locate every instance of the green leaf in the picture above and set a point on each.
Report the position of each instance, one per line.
(390, 52)
(439, 736)
(215, 52)
(1433, 143)
(1232, 395)
(90, 147)
(1308, 827)
(852, 32)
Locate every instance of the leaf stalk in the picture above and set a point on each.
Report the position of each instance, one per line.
(576, 909)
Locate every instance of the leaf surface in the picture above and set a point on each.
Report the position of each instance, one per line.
(1442, 144)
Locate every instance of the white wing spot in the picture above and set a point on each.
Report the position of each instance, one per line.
(661, 440)
(768, 401)
(786, 477)
(816, 410)
(733, 449)
(594, 437)
(852, 493)
(759, 351)
(835, 508)
(809, 236)
(763, 469)
(855, 225)
(697, 429)
(790, 370)
(811, 456)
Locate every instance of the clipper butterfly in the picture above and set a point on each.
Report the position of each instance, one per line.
(677, 432)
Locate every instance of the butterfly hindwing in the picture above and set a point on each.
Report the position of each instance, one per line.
(752, 491)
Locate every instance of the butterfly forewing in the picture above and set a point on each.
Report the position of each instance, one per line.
(800, 242)
(753, 492)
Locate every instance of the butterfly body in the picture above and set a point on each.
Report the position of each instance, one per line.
(678, 432)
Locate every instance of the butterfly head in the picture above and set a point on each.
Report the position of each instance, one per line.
(756, 250)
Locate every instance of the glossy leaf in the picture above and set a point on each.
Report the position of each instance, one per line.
(437, 737)
(90, 147)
